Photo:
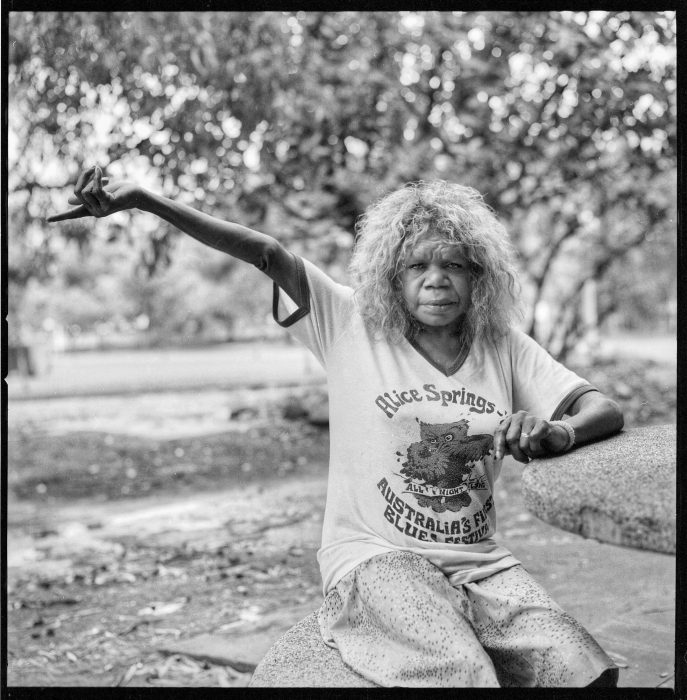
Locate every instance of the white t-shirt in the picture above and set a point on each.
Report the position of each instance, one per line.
(411, 456)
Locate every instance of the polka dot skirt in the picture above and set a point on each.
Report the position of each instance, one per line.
(397, 621)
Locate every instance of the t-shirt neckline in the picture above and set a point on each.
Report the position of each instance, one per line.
(452, 368)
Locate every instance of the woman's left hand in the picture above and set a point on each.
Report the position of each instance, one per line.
(525, 436)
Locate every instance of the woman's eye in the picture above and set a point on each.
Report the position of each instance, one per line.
(455, 266)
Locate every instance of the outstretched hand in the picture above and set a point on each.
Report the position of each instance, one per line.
(95, 196)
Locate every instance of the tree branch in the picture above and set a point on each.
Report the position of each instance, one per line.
(540, 279)
(598, 270)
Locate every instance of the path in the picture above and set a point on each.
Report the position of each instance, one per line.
(226, 366)
(124, 372)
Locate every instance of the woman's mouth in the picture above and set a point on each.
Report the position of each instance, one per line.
(439, 307)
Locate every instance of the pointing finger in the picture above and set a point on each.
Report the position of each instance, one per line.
(77, 213)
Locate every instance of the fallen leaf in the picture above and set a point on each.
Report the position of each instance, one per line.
(161, 672)
(190, 663)
(160, 608)
(222, 677)
(128, 674)
(251, 614)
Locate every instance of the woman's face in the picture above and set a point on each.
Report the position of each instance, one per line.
(435, 283)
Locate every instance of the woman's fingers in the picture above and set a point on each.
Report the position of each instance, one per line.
(73, 199)
(524, 436)
(90, 196)
(82, 189)
(517, 434)
(520, 435)
(97, 180)
(539, 433)
(89, 191)
(527, 432)
(94, 195)
(500, 438)
(98, 191)
(89, 199)
(83, 180)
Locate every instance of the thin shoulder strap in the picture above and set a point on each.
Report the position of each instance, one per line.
(303, 300)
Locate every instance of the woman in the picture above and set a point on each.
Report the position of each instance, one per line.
(429, 387)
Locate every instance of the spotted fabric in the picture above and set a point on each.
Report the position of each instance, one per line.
(397, 621)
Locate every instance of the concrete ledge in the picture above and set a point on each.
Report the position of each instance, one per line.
(620, 490)
(301, 659)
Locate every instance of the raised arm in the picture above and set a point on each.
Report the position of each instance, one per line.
(95, 198)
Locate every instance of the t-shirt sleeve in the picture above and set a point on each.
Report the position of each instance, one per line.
(321, 314)
(542, 385)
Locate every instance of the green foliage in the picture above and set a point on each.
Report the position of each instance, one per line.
(294, 122)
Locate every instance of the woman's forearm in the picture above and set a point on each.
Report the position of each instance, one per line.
(241, 242)
(93, 197)
(595, 416)
(233, 239)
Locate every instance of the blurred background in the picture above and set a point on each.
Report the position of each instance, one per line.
(293, 123)
(142, 363)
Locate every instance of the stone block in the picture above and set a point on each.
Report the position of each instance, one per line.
(619, 490)
(301, 659)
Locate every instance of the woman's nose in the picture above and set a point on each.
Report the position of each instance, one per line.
(435, 277)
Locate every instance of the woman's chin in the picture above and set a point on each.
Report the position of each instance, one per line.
(431, 322)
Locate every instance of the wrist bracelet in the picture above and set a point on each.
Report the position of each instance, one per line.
(568, 429)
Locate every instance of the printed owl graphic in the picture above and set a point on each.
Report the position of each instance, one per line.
(444, 457)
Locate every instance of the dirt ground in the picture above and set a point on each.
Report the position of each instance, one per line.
(137, 521)
(102, 588)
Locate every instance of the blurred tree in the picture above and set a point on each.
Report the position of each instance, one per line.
(294, 122)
